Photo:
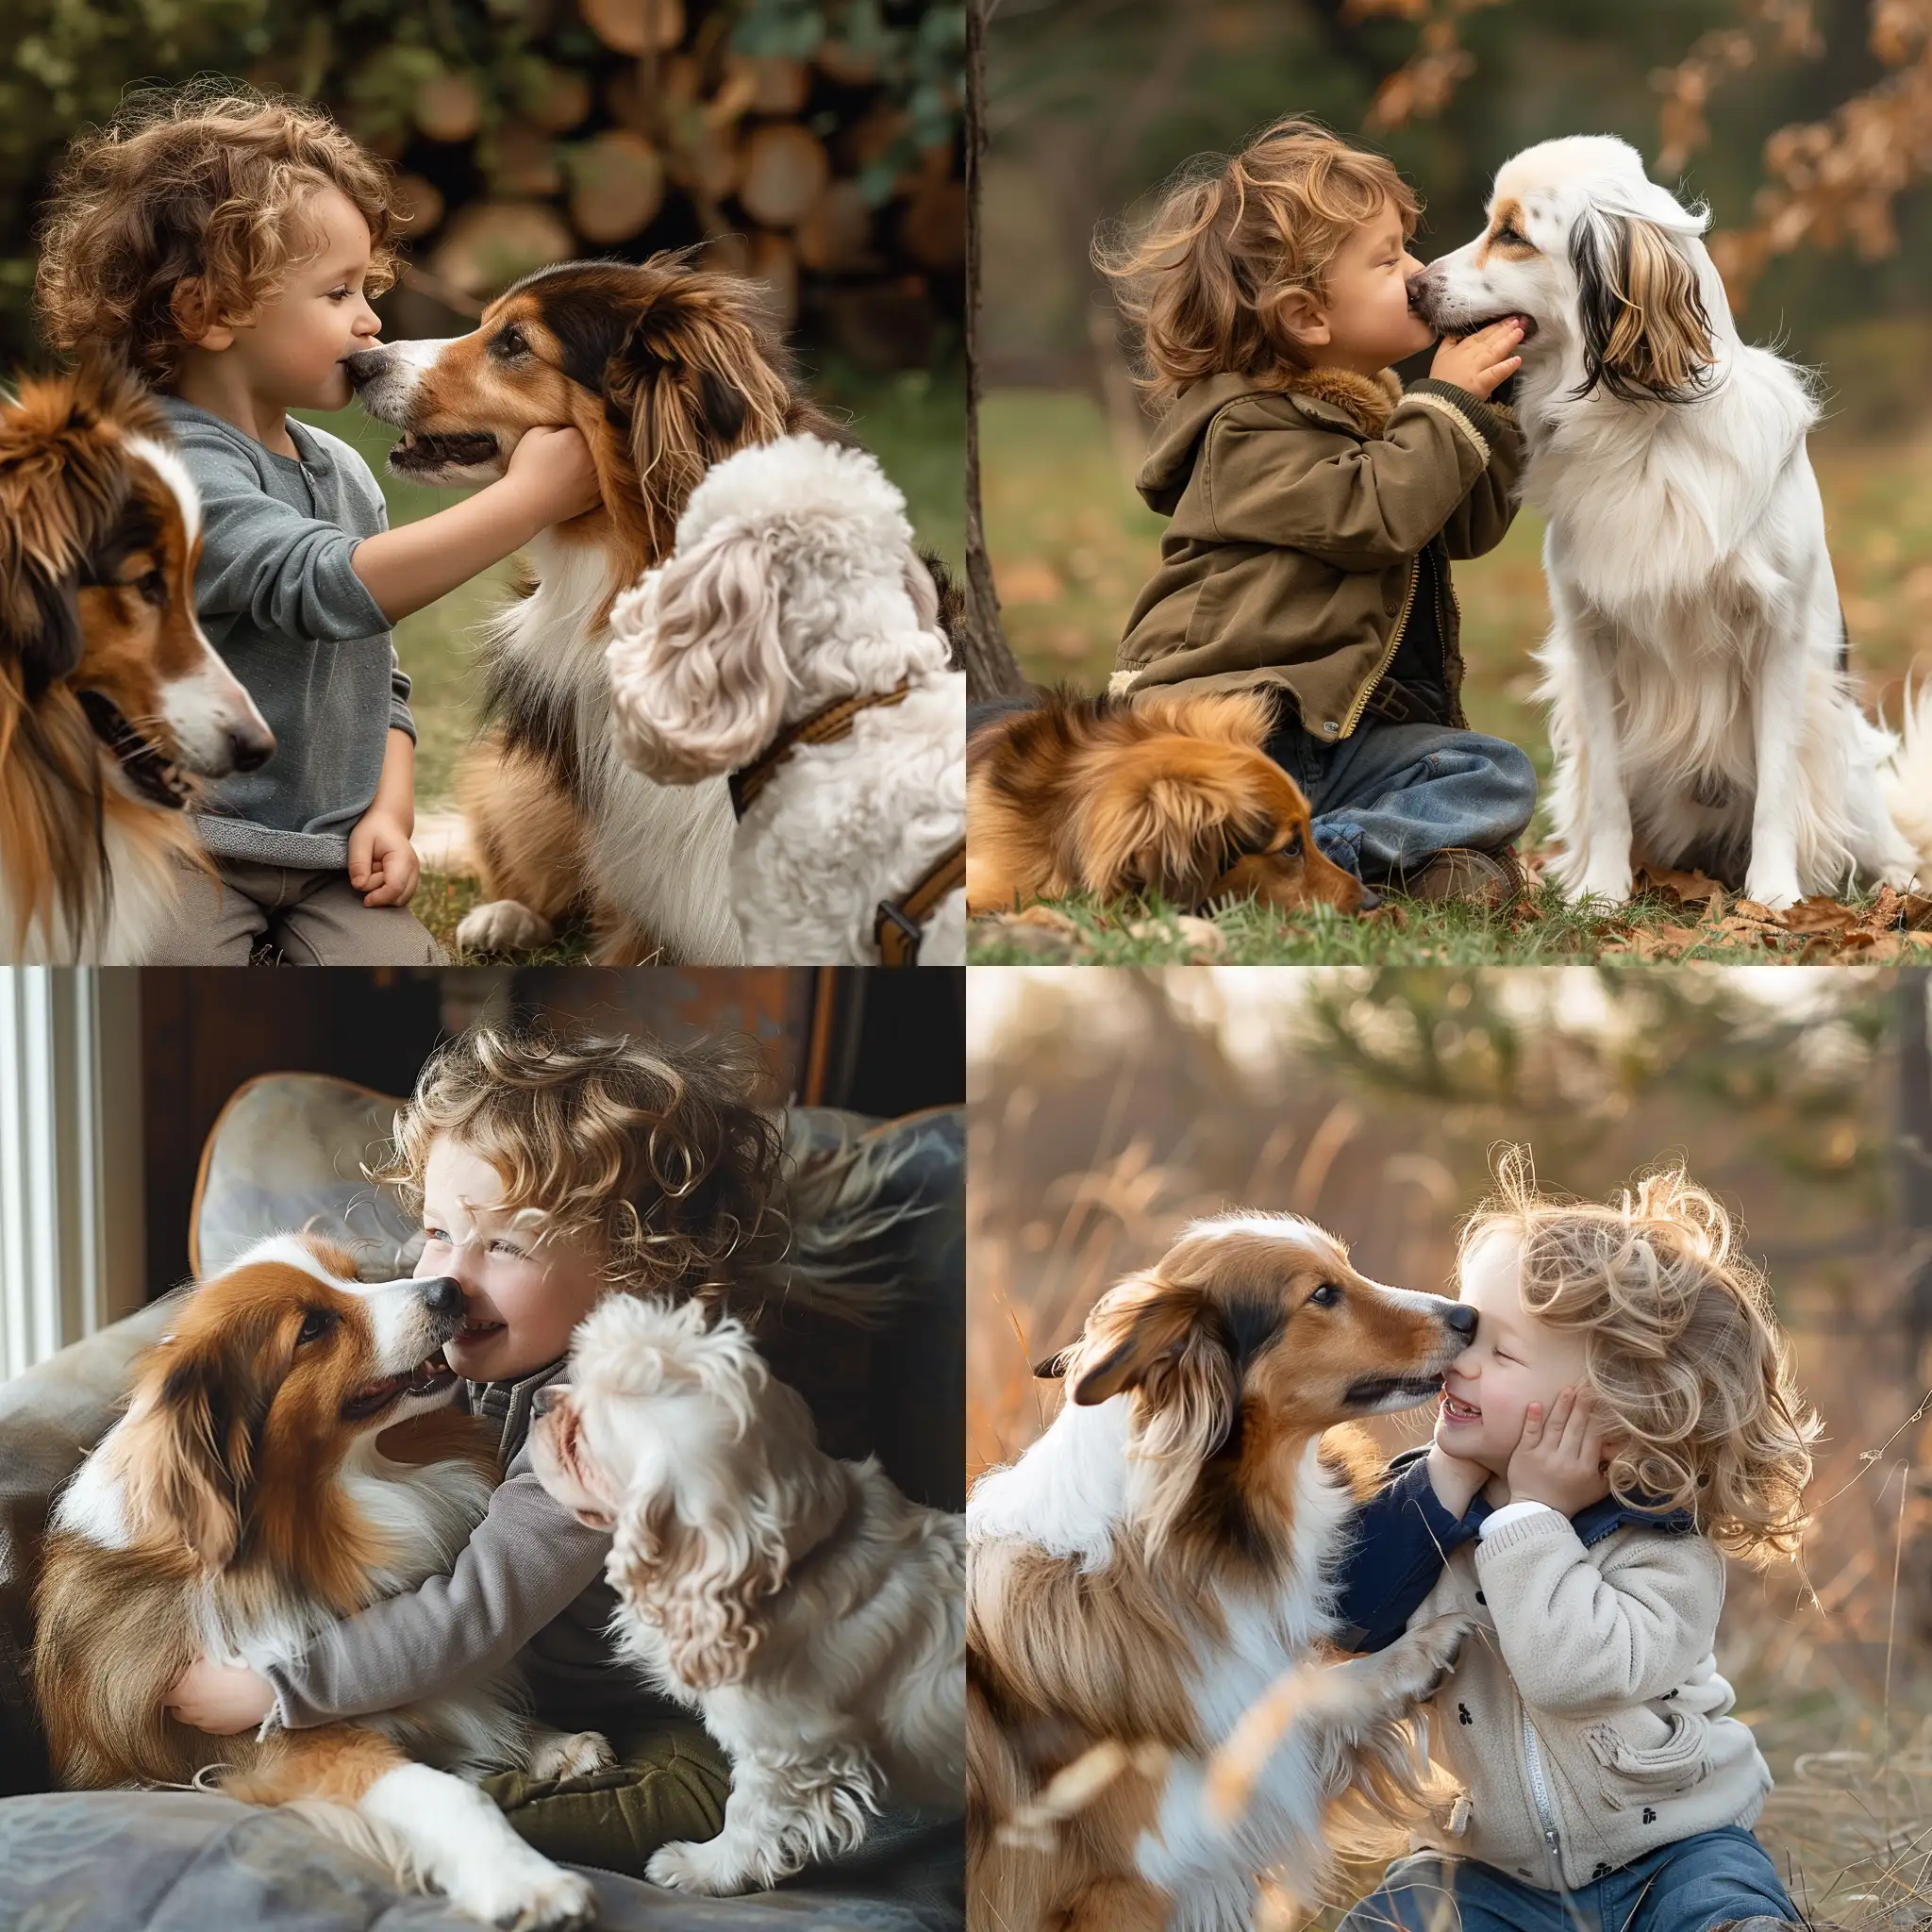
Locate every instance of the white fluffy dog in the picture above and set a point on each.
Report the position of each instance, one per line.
(792, 638)
(806, 1609)
(1695, 666)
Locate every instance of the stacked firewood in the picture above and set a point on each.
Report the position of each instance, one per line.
(650, 131)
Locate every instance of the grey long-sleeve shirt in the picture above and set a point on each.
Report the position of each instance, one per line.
(279, 598)
(529, 1584)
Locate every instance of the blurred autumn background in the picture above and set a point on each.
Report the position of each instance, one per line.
(813, 144)
(1805, 123)
(1109, 1107)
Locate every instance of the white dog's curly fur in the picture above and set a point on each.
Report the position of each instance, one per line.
(794, 584)
(1700, 712)
(811, 1613)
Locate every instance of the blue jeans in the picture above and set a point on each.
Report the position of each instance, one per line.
(1687, 1887)
(1386, 800)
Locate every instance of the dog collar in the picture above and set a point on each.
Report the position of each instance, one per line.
(900, 925)
(825, 726)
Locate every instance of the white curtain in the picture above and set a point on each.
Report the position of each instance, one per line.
(71, 1223)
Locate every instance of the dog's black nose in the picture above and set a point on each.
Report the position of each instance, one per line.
(1370, 899)
(442, 1296)
(249, 747)
(1461, 1318)
(365, 363)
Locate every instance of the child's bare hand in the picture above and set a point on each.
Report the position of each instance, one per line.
(1483, 361)
(1455, 1479)
(221, 1698)
(554, 466)
(1560, 1459)
(383, 865)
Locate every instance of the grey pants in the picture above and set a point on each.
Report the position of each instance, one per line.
(313, 918)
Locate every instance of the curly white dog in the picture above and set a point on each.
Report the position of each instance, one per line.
(793, 639)
(806, 1609)
(1700, 710)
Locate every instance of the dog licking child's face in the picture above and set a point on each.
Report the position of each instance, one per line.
(526, 1285)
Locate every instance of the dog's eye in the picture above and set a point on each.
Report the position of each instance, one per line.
(510, 343)
(315, 1325)
(1292, 848)
(1512, 234)
(154, 587)
(1326, 1295)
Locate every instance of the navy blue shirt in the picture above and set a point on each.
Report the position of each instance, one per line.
(1402, 1537)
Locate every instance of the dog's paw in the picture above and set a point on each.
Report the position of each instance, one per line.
(576, 1756)
(691, 1866)
(1607, 885)
(503, 925)
(1429, 1654)
(1774, 892)
(544, 1899)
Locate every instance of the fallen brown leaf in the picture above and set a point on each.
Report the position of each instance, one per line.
(1690, 888)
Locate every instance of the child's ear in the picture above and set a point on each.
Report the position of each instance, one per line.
(188, 304)
(1303, 318)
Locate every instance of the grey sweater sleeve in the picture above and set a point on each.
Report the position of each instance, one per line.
(400, 717)
(291, 574)
(525, 1564)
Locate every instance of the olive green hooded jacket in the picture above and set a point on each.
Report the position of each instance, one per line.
(1300, 514)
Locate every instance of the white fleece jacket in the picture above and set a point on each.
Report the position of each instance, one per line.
(1585, 1717)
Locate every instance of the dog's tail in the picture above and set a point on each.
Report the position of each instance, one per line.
(1905, 778)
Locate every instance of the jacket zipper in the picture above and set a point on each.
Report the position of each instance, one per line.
(1539, 1796)
(1361, 697)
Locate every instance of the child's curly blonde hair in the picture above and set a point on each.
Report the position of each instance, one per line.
(1682, 1348)
(659, 1156)
(187, 208)
(1204, 279)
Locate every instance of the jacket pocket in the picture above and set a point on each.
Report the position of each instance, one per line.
(1638, 1772)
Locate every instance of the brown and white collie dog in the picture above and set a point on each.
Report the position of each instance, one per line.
(1167, 795)
(247, 1499)
(111, 700)
(1162, 1555)
(665, 369)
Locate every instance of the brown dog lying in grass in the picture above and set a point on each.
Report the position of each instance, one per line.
(1169, 796)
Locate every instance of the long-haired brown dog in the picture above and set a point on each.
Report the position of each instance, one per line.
(1164, 1553)
(1167, 795)
(111, 700)
(287, 1457)
(666, 370)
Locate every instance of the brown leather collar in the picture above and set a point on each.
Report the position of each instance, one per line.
(826, 726)
(900, 925)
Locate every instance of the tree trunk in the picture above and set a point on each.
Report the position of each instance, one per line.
(991, 670)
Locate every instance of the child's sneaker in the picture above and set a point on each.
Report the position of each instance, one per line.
(1492, 879)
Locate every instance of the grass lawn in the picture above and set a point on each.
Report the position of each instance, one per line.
(1072, 545)
(913, 422)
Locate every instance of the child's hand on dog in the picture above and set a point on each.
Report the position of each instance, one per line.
(1559, 1458)
(1483, 361)
(221, 1699)
(552, 464)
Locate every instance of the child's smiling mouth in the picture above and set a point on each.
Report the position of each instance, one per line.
(1456, 1410)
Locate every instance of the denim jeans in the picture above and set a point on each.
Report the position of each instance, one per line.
(1388, 799)
(1689, 1886)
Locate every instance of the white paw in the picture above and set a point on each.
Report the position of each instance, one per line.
(1427, 1654)
(1775, 892)
(576, 1756)
(503, 925)
(691, 1866)
(1609, 885)
(531, 1895)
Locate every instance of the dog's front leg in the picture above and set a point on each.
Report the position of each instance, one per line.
(1777, 723)
(781, 1817)
(1591, 802)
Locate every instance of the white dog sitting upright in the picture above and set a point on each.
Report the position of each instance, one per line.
(792, 639)
(811, 1615)
(1694, 668)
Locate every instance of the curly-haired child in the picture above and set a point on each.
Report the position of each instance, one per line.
(225, 246)
(1624, 1417)
(550, 1170)
(1315, 504)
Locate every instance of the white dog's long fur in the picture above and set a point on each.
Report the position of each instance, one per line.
(812, 1615)
(794, 584)
(1698, 709)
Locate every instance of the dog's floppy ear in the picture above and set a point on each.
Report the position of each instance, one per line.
(698, 675)
(1137, 1336)
(196, 1442)
(1163, 820)
(39, 550)
(1646, 333)
(40, 622)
